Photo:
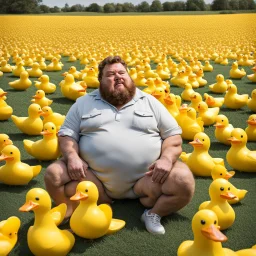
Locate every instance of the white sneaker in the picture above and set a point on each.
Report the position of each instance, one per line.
(152, 222)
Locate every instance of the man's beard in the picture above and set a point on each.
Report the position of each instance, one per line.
(118, 97)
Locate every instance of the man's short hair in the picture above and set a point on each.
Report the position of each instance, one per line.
(110, 60)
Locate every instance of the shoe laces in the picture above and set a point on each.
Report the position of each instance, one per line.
(155, 219)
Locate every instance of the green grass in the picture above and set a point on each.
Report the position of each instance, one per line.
(133, 239)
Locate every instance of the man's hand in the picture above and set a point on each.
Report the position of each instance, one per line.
(77, 168)
(160, 170)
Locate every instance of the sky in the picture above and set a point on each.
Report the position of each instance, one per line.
(61, 3)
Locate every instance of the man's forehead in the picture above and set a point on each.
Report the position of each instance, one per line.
(114, 67)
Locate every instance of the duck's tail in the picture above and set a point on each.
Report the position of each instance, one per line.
(36, 170)
(27, 145)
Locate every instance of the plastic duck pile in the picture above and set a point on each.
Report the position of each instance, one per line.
(203, 87)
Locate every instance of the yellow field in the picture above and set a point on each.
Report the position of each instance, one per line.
(104, 35)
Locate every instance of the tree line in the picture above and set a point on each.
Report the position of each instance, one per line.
(36, 6)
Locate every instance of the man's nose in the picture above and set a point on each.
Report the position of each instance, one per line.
(117, 76)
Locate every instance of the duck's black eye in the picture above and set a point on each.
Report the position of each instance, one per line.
(242, 136)
(222, 120)
(52, 128)
(10, 234)
(4, 140)
(222, 189)
(37, 198)
(215, 222)
(86, 190)
(203, 222)
(11, 153)
(228, 188)
(221, 174)
(202, 139)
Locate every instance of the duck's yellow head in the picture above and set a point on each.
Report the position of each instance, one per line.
(86, 191)
(238, 137)
(46, 111)
(39, 94)
(201, 140)
(196, 97)
(221, 121)
(34, 110)
(10, 227)
(220, 171)
(202, 106)
(205, 225)
(24, 75)
(253, 94)
(44, 78)
(10, 153)
(36, 199)
(251, 121)
(49, 129)
(4, 141)
(191, 112)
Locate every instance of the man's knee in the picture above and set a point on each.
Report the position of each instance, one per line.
(180, 182)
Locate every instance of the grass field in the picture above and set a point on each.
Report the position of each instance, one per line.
(106, 35)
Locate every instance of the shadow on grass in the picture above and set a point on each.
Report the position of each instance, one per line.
(17, 189)
(62, 100)
(217, 146)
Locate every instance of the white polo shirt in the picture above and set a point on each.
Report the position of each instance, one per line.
(119, 145)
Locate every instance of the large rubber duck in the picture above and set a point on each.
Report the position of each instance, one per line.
(223, 129)
(35, 71)
(47, 148)
(44, 237)
(8, 234)
(40, 99)
(5, 110)
(195, 98)
(187, 92)
(221, 85)
(207, 66)
(45, 85)
(239, 157)
(15, 172)
(90, 220)
(207, 114)
(55, 65)
(199, 161)
(213, 102)
(234, 100)
(207, 237)
(251, 103)
(219, 192)
(91, 78)
(220, 171)
(31, 125)
(252, 77)
(54, 117)
(235, 72)
(251, 128)
(23, 83)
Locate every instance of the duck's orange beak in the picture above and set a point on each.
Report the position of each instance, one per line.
(40, 112)
(168, 100)
(5, 157)
(196, 143)
(234, 140)
(46, 133)
(79, 196)
(156, 95)
(214, 234)
(229, 175)
(28, 206)
(228, 196)
(251, 122)
(3, 94)
(81, 90)
(219, 125)
(36, 97)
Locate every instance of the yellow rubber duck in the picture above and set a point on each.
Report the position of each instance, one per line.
(35, 71)
(54, 65)
(170, 104)
(159, 94)
(54, 117)
(223, 129)
(239, 156)
(199, 161)
(199, 77)
(182, 116)
(207, 237)
(195, 98)
(4, 141)
(247, 252)
(90, 220)
(180, 80)
(220, 171)
(31, 125)
(91, 78)
(191, 125)
(5, 67)
(15, 172)
(246, 61)
(150, 86)
(187, 92)
(161, 72)
(207, 66)
(219, 192)
(47, 148)
(251, 128)
(5, 110)
(72, 70)
(192, 79)
(1, 73)
(252, 77)
(235, 72)
(44, 237)
(213, 101)
(251, 103)
(40, 99)
(23, 83)
(234, 100)
(18, 69)
(140, 80)
(207, 114)
(8, 234)
(45, 85)
(149, 73)
(221, 85)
